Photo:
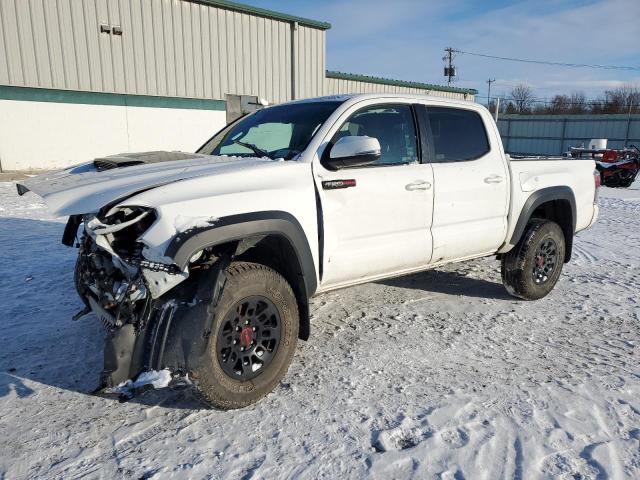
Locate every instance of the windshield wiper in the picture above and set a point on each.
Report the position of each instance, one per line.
(255, 149)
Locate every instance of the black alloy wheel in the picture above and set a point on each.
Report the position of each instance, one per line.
(546, 260)
(249, 338)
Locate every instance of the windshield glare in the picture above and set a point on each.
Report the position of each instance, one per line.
(281, 131)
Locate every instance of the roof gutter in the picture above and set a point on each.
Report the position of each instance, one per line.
(398, 83)
(263, 12)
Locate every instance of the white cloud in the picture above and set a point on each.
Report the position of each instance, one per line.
(405, 39)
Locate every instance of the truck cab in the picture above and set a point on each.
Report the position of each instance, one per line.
(439, 190)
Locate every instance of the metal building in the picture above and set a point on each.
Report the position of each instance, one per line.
(554, 134)
(338, 82)
(88, 78)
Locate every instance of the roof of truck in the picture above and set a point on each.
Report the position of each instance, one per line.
(366, 96)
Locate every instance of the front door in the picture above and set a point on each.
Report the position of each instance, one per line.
(376, 218)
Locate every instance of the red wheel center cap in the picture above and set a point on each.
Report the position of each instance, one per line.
(540, 261)
(246, 335)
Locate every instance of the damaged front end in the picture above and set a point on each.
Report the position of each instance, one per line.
(156, 315)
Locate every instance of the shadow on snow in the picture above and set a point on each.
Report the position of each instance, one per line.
(41, 343)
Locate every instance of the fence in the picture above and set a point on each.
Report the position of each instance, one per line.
(554, 134)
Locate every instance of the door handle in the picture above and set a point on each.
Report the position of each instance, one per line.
(493, 179)
(417, 185)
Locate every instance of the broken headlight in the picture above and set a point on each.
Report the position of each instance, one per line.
(121, 227)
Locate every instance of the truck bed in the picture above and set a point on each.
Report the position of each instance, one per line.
(529, 176)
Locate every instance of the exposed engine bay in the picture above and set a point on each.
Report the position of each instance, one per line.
(136, 299)
(152, 277)
(108, 274)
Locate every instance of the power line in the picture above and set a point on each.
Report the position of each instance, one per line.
(547, 62)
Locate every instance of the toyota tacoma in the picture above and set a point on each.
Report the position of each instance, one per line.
(204, 263)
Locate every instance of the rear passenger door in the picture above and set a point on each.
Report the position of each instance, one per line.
(470, 184)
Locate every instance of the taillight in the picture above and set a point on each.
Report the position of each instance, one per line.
(598, 181)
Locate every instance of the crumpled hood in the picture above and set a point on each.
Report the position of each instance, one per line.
(88, 187)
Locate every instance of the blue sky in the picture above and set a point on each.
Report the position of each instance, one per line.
(404, 39)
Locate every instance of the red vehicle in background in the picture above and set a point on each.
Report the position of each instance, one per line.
(617, 167)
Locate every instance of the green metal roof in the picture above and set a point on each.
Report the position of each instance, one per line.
(399, 83)
(263, 12)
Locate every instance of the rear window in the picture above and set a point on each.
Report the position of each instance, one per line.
(458, 135)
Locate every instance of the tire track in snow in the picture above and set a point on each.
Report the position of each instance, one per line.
(143, 431)
(477, 377)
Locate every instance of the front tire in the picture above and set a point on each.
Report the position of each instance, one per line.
(531, 269)
(254, 336)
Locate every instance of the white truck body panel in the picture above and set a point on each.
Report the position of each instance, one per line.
(532, 175)
(398, 219)
(471, 202)
(266, 186)
(83, 189)
(363, 227)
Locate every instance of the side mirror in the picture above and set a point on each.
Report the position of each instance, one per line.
(353, 152)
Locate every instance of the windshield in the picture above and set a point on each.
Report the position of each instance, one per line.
(281, 131)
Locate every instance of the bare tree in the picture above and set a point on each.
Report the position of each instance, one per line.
(578, 103)
(540, 109)
(522, 96)
(559, 104)
(622, 99)
(510, 107)
(625, 99)
(562, 104)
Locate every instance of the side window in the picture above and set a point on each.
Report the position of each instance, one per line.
(458, 134)
(392, 125)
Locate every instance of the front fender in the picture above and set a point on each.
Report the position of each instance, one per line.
(236, 227)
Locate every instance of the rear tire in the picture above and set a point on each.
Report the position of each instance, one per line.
(531, 269)
(256, 321)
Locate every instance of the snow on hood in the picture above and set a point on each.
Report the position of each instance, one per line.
(85, 189)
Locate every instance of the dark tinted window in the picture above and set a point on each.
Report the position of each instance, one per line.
(458, 134)
(392, 125)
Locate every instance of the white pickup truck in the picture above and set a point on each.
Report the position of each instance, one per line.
(204, 263)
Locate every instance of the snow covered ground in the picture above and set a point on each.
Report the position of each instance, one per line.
(439, 374)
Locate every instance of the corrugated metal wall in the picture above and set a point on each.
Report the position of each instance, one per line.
(170, 48)
(339, 85)
(310, 62)
(554, 134)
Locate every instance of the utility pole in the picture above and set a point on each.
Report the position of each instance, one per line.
(490, 81)
(449, 70)
(626, 137)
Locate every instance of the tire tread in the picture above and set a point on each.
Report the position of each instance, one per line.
(206, 391)
(513, 274)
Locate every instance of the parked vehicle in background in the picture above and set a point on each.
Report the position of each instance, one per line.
(204, 263)
(617, 167)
